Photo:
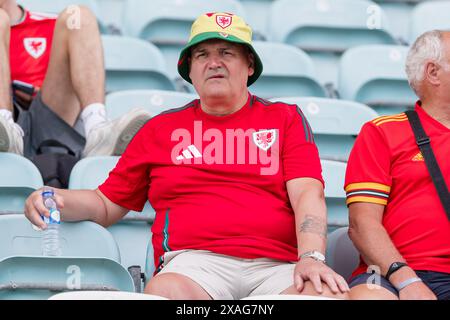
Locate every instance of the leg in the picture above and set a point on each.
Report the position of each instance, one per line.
(75, 77)
(310, 291)
(5, 73)
(363, 292)
(176, 286)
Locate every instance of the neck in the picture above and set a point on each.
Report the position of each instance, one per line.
(438, 110)
(222, 107)
(14, 12)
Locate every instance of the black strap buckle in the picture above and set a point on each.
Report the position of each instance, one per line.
(423, 141)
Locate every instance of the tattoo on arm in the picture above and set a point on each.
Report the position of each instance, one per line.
(313, 224)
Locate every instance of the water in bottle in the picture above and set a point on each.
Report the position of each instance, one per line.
(51, 242)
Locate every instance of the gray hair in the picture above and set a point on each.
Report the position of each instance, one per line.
(427, 47)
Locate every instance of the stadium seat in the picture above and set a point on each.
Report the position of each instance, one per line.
(102, 295)
(155, 101)
(334, 130)
(429, 15)
(19, 177)
(341, 255)
(134, 64)
(398, 13)
(167, 23)
(39, 278)
(132, 234)
(325, 29)
(375, 75)
(58, 6)
(288, 71)
(257, 16)
(111, 14)
(334, 176)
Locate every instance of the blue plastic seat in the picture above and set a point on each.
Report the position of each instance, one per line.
(258, 16)
(39, 278)
(334, 176)
(19, 177)
(341, 255)
(56, 7)
(154, 101)
(167, 23)
(335, 123)
(428, 16)
(326, 28)
(134, 64)
(133, 233)
(375, 75)
(288, 71)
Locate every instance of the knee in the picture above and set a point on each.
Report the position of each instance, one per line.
(169, 285)
(5, 22)
(76, 17)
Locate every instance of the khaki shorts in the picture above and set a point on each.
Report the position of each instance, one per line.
(230, 278)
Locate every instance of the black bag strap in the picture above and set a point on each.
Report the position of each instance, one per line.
(423, 141)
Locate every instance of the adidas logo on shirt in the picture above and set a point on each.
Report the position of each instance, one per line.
(192, 152)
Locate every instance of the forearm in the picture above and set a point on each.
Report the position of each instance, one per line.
(82, 205)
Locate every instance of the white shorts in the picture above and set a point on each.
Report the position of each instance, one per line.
(230, 278)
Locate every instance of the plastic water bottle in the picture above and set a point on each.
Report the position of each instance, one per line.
(50, 241)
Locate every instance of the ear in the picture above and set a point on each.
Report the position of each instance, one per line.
(432, 73)
(251, 64)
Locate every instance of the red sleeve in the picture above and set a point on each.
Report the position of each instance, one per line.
(299, 154)
(128, 183)
(368, 176)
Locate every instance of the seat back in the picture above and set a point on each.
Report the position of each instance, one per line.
(341, 255)
(132, 234)
(427, 16)
(78, 239)
(288, 71)
(375, 75)
(24, 277)
(140, 66)
(19, 177)
(334, 131)
(154, 101)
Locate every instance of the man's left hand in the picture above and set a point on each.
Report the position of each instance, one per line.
(308, 269)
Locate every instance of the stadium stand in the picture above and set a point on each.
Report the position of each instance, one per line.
(154, 101)
(140, 66)
(132, 234)
(19, 178)
(375, 75)
(341, 254)
(288, 71)
(325, 29)
(258, 16)
(26, 274)
(167, 23)
(438, 10)
(334, 131)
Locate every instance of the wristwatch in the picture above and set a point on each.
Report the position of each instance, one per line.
(393, 268)
(316, 255)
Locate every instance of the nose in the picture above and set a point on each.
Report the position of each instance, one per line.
(214, 61)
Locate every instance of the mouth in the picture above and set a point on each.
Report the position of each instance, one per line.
(216, 76)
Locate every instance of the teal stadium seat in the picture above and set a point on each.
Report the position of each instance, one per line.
(19, 177)
(341, 254)
(86, 247)
(326, 28)
(258, 16)
(134, 64)
(288, 71)
(154, 101)
(334, 176)
(133, 233)
(56, 7)
(427, 16)
(375, 75)
(167, 23)
(335, 123)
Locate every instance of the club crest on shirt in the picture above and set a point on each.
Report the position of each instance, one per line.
(264, 139)
(35, 46)
(223, 21)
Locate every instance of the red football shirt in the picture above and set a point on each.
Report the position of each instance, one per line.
(386, 167)
(219, 183)
(31, 42)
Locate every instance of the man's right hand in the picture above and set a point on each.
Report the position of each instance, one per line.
(417, 291)
(35, 208)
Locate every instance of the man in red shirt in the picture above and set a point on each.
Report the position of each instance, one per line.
(397, 220)
(235, 182)
(61, 59)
